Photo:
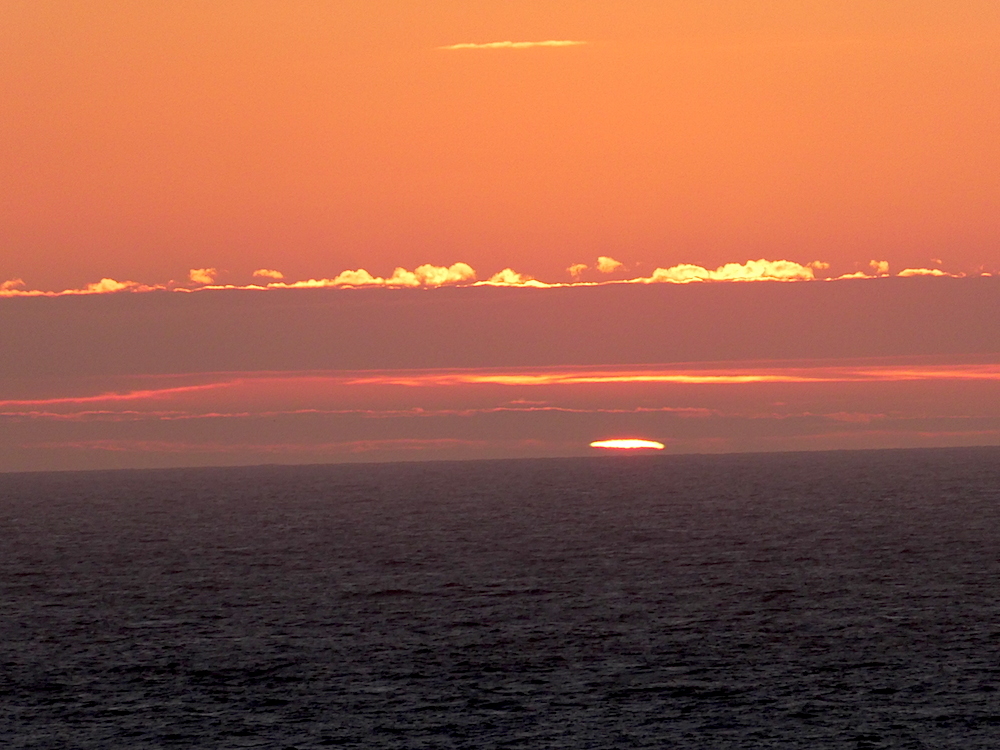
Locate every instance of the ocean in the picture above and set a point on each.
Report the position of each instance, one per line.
(798, 600)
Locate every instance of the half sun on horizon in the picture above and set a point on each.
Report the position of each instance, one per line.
(628, 444)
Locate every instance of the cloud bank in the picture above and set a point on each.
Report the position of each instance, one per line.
(462, 274)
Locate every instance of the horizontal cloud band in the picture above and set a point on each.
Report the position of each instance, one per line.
(217, 385)
(462, 274)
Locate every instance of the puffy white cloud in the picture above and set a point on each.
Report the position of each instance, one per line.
(359, 277)
(109, 285)
(268, 273)
(430, 275)
(510, 277)
(752, 270)
(427, 275)
(881, 267)
(203, 275)
(929, 272)
(922, 272)
(104, 286)
(608, 265)
(462, 274)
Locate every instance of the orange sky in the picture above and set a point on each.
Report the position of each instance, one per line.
(681, 146)
(141, 140)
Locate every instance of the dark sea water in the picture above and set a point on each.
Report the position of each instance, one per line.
(824, 600)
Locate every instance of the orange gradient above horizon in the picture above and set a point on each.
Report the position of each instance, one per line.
(148, 140)
(255, 417)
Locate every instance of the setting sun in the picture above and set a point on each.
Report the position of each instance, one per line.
(627, 444)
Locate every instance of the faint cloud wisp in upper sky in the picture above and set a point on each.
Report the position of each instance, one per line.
(514, 45)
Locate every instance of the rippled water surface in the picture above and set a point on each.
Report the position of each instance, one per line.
(799, 600)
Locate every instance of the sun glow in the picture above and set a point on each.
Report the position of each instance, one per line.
(628, 444)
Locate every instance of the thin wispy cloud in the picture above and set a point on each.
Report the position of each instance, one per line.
(246, 386)
(514, 45)
(715, 376)
(223, 448)
(189, 413)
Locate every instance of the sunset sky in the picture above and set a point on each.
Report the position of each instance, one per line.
(556, 151)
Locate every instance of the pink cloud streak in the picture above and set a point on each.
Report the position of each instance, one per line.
(236, 383)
